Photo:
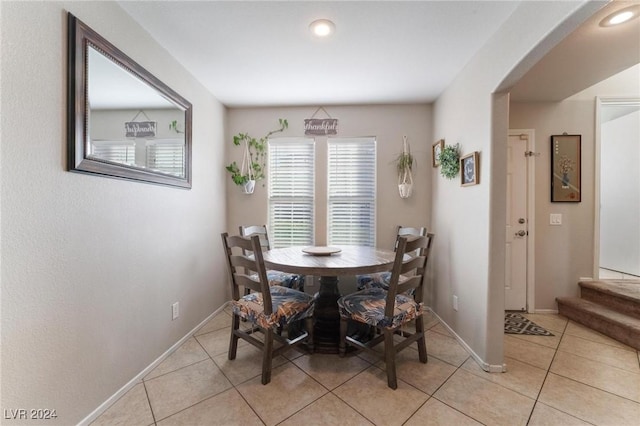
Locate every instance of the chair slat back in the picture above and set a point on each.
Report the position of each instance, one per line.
(260, 231)
(253, 262)
(413, 265)
(405, 231)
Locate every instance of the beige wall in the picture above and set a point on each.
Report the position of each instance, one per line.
(563, 253)
(388, 123)
(91, 265)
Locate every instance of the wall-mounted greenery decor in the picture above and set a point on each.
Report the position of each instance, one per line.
(254, 159)
(404, 167)
(450, 161)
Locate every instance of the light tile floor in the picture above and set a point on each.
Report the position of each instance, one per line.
(576, 377)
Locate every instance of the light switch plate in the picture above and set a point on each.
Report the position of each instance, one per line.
(555, 219)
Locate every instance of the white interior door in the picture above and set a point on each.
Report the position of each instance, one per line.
(517, 225)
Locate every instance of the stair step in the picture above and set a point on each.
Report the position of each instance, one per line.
(620, 326)
(620, 295)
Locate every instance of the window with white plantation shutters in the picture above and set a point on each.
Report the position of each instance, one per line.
(351, 191)
(123, 152)
(291, 191)
(166, 155)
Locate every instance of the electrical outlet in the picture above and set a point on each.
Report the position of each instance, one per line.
(455, 303)
(175, 311)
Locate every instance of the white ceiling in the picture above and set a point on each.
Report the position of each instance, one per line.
(261, 53)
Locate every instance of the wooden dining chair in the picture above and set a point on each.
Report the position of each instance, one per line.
(381, 279)
(285, 279)
(269, 307)
(389, 310)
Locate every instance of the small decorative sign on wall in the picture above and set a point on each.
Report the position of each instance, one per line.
(321, 126)
(140, 129)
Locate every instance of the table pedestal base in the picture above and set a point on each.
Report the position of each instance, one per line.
(326, 329)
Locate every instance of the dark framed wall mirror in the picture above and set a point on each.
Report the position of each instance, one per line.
(122, 121)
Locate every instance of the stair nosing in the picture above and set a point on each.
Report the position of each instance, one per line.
(591, 285)
(615, 315)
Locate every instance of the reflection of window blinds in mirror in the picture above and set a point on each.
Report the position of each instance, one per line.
(123, 152)
(166, 155)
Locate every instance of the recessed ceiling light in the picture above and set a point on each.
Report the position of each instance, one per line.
(322, 27)
(620, 16)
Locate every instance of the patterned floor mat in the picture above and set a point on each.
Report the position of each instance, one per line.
(517, 324)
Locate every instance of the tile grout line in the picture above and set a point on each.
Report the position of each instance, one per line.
(546, 375)
(226, 377)
(146, 392)
(433, 395)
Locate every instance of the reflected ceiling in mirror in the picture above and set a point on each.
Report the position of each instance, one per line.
(123, 121)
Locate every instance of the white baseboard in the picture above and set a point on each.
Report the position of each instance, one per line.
(137, 379)
(545, 311)
(490, 368)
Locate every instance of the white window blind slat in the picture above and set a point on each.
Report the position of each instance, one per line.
(166, 155)
(291, 191)
(117, 151)
(351, 191)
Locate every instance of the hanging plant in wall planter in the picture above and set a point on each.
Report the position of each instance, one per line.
(404, 166)
(450, 161)
(174, 126)
(254, 159)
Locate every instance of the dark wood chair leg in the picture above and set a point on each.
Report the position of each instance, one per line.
(390, 358)
(342, 347)
(233, 342)
(421, 342)
(267, 355)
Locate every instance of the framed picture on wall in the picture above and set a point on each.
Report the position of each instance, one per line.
(565, 168)
(436, 149)
(469, 168)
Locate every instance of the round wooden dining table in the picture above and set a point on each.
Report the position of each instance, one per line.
(328, 263)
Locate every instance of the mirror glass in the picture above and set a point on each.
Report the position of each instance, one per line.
(126, 123)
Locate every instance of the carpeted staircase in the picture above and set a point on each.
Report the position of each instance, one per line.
(611, 307)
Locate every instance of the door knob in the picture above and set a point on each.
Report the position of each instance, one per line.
(521, 233)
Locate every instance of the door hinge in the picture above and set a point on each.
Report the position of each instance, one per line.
(531, 154)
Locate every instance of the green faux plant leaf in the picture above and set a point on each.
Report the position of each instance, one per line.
(450, 161)
(404, 162)
(257, 154)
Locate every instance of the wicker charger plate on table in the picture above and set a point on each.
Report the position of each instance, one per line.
(321, 250)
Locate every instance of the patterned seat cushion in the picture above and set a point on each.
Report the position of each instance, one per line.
(289, 305)
(283, 279)
(367, 306)
(378, 280)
